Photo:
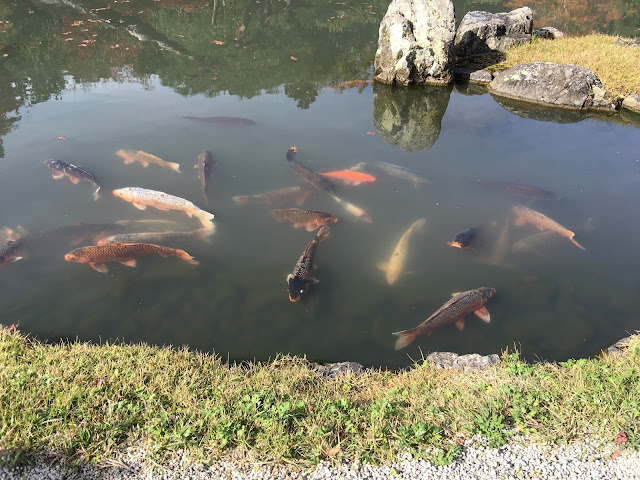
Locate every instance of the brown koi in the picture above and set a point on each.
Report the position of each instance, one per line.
(74, 173)
(204, 165)
(300, 279)
(297, 195)
(309, 219)
(309, 176)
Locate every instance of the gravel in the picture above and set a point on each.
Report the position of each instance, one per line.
(518, 459)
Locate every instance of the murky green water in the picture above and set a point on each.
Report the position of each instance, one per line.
(146, 65)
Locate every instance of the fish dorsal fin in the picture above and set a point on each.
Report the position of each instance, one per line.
(460, 323)
(483, 313)
(455, 293)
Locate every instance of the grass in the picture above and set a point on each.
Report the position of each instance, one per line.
(93, 402)
(615, 65)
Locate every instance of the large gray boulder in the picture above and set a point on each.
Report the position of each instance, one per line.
(568, 86)
(409, 118)
(484, 32)
(415, 43)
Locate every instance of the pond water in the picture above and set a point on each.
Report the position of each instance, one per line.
(81, 80)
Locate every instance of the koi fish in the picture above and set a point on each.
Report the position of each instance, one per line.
(395, 171)
(359, 84)
(537, 241)
(125, 253)
(204, 165)
(74, 173)
(501, 247)
(155, 237)
(349, 177)
(309, 219)
(357, 212)
(10, 251)
(130, 156)
(83, 232)
(542, 222)
(299, 280)
(464, 239)
(230, 121)
(395, 266)
(519, 189)
(307, 175)
(460, 305)
(283, 196)
(142, 197)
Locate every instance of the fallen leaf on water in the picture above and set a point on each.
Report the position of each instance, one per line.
(371, 133)
(621, 438)
(218, 42)
(293, 58)
(332, 452)
(62, 137)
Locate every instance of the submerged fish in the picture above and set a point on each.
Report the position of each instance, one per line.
(460, 305)
(307, 175)
(83, 232)
(130, 156)
(542, 222)
(300, 279)
(11, 250)
(537, 241)
(501, 248)
(519, 189)
(349, 177)
(74, 173)
(125, 253)
(357, 212)
(310, 219)
(155, 237)
(142, 197)
(465, 238)
(359, 84)
(204, 165)
(395, 171)
(395, 266)
(231, 121)
(296, 195)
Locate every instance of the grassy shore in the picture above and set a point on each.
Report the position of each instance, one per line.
(91, 402)
(615, 65)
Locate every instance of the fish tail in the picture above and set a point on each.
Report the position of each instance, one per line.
(322, 234)
(405, 337)
(240, 199)
(205, 219)
(573, 241)
(418, 225)
(174, 166)
(182, 255)
(203, 234)
(96, 194)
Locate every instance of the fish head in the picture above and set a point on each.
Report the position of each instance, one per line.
(76, 256)
(123, 193)
(487, 293)
(296, 287)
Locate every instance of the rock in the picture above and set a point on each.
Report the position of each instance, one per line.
(542, 113)
(484, 32)
(472, 361)
(619, 347)
(482, 77)
(409, 118)
(415, 43)
(334, 370)
(630, 44)
(549, 33)
(632, 102)
(568, 86)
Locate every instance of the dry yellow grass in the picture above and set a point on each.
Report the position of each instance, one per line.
(616, 66)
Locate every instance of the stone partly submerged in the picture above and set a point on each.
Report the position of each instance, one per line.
(568, 86)
(472, 361)
(484, 32)
(415, 44)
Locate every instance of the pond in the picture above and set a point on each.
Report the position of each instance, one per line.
(81, 80)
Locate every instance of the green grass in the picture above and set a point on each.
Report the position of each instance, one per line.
(615, 65)
(88, 403)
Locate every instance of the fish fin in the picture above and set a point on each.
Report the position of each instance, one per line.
(289, 277)
(405, 337)
(322, 234)
(128, 160)
(129, 263)
(483, 313)
(455, 293)
(574, 242)
(174, 166)
(241, 199)
(382, 266)
(519, 221)
(310, 227)
(313, 281)
(203, 234)
(182, 255)
(75, 181)
(460, 323)
(164, 209)
(16, 259)
(139, 206)
(144, 163)
(100, 267)
(57, 175)
(355, 183)
(96, 194)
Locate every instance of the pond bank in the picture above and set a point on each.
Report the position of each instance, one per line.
(100, 404)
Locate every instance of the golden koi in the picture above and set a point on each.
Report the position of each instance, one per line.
(130, 156)
(395, 266)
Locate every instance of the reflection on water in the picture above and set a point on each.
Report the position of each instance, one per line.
(130, 89)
